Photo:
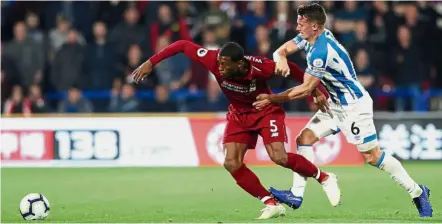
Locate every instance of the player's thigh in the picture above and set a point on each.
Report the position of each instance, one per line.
(236, 133)
(360, 131)
(322, 124)
(272, 128)
(358, 127)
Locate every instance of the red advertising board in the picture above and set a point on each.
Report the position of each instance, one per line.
(26, 145)
(333, 150)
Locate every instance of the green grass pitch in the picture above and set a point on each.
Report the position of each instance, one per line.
(209, 194)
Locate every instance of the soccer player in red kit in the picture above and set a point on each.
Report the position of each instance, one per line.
(242, 79)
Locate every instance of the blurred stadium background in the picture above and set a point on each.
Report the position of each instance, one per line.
(68, 100)
(89, 49)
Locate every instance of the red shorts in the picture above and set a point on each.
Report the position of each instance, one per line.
(245, 128)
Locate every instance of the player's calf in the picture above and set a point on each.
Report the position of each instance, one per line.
(419, 193)
(295, 162)
(305, 141)
(304, 167)
(294, 197)
(244, 177)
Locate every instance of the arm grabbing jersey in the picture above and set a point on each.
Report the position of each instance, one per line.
(266, 68)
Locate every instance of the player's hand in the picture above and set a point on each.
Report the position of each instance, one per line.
(262, 100)
(142, 71)
(321, 101)
(282, 68)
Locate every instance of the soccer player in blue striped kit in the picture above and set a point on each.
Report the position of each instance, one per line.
(350, 107)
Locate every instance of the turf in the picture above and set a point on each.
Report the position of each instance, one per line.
(209, 195)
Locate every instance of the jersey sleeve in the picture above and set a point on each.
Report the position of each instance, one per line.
(317, 63)
(296, 72)
(299, 41)
(208, 58)
(194, 51)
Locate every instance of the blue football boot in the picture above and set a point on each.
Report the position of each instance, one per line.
(423, 203)
(287, 198)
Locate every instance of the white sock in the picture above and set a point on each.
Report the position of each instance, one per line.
(397, 172)
(300, 182)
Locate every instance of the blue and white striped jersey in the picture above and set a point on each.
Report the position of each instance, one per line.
(328, 60)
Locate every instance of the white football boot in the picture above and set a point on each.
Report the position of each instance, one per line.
(332, 190)
(272, 211)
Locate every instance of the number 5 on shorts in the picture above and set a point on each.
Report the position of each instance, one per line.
(273, 128)
(354, 130)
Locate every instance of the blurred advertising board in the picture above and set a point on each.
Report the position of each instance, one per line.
(411, 139)
(185, 142)
(333, 150)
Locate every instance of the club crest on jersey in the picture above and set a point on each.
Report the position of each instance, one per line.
(318, 62)
(201, 52)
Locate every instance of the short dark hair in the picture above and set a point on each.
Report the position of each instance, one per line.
(232, 50)
(313, 12)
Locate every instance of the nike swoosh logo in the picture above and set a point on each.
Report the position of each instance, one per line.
(293, 198)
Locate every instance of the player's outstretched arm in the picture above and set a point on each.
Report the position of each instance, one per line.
(188, 48)
(300, 91)
(297, 74)
(305, 89)
(280, 97)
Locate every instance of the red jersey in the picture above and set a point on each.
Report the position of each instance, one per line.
(241, 93)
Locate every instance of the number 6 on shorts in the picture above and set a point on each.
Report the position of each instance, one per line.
(354, 130)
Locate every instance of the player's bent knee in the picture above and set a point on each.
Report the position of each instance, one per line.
(306, 137)
(232, 164)
(371, 152)
(277, 153)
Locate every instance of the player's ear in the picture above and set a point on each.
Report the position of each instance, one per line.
(315, 27)
(241, 63)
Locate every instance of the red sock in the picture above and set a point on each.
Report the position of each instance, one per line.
(270, 201)
(322, 177)
(248, 181)
(304, 167)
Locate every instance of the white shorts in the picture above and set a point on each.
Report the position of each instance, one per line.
(354, 120)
